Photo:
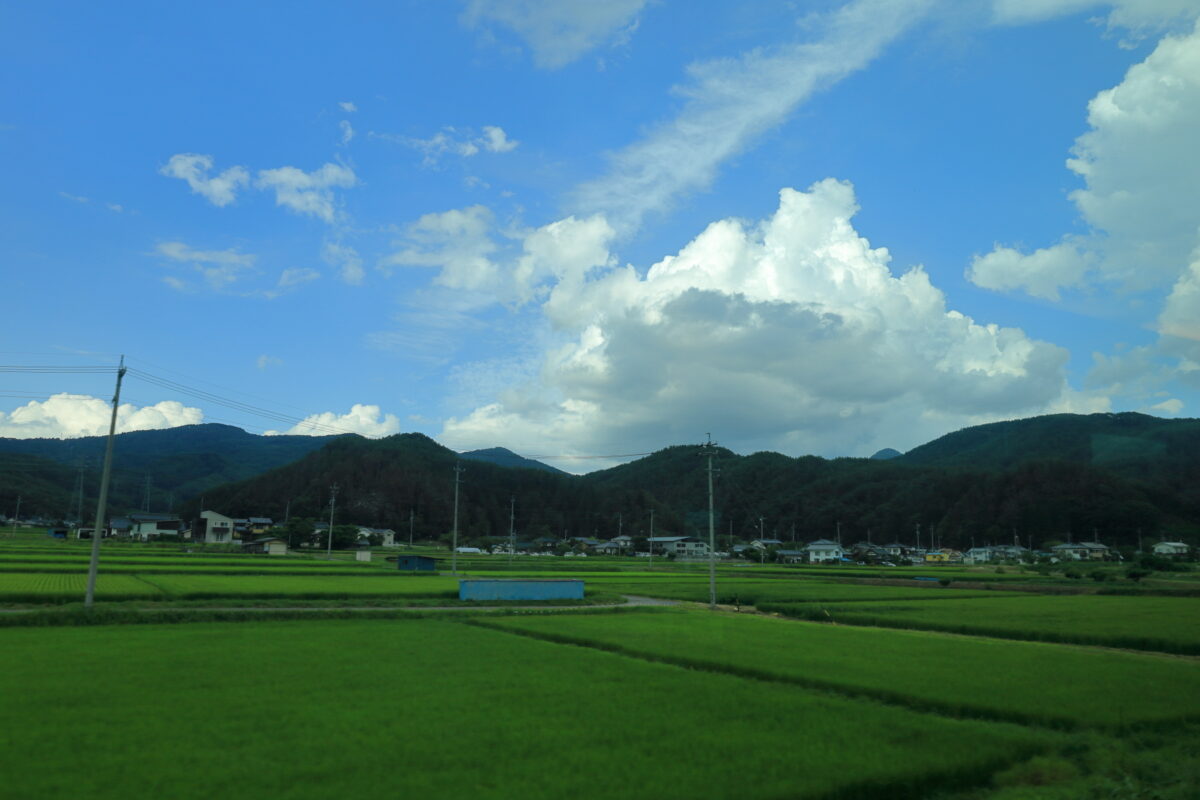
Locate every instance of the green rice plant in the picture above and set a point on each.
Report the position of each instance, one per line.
(197, 586)
(432, 709)
(69, 588)
(1166, 624)
(755, 592)
(1021, 681)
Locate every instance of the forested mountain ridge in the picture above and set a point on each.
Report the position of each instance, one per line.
(409, 477)
(1038, 500)
(180, 462)
(504, 457)
(1040, 479)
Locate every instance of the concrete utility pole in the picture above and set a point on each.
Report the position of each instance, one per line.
(512, 529)
(712, 534)
(16, 517)
(333, 490)
(411, 513)
(101, 505)
(760, 529)
(146, 496)
(458, 470)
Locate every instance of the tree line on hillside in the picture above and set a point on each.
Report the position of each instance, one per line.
(390, 482)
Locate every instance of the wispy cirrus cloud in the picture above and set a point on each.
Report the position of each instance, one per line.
(560, 31)
(730, 102)
(218, 268)
(453, 141)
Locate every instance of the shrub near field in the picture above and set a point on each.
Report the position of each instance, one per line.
(1166, 624)
(1024, 681)
(429, 709)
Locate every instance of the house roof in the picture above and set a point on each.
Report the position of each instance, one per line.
(792, 552)
(823, 543)
(1171, 544)
(260, 520)
(669, 538)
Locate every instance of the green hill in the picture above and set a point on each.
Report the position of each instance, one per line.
(180, 462)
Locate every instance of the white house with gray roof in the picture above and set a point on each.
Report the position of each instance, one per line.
(824, 550)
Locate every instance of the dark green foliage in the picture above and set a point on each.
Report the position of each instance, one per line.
(180, 461)
(1115, 477)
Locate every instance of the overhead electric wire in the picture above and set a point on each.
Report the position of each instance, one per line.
(53, 369)
(195, 380)
(236, 405)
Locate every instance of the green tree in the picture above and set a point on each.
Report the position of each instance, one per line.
(297, 531)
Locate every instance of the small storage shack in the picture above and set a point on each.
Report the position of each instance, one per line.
(268, 545)
(415, 563)
(520, 589)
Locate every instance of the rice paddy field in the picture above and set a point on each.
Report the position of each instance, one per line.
(1022, 681)
(1168, 624)
(508, 716)
(825, 684)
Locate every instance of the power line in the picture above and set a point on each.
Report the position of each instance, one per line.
(54, 369)
(236, 405)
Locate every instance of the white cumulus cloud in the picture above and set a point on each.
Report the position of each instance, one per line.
(1138, 162)
(511, 266)
(791, 333)
(220, 189)
(308, 193)
(347, 106)
(365, 420)
(347, 131)
(66, 416)
(558, 31)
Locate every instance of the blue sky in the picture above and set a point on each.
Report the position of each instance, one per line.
(573, 229)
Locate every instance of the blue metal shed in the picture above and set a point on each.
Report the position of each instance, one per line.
(520, 589)
(416, 563)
